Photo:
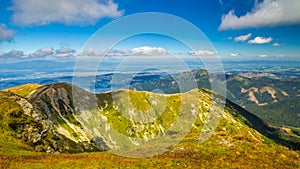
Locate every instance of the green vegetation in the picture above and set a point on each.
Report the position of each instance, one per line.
(230, 148)
(274, 100)
(23, 90)
(241, 139)
(278, 100)
(9, 113)
(241, 80)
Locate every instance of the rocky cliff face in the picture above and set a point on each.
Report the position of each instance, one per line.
(24, 120)
(46, 120)
(55, 104)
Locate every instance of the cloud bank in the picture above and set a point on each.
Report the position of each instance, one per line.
(13, 54)
(65, 52)
(149, 51)
(264, 14)
(139, 51)
(68, 12)
(47, 51)
(202, 52)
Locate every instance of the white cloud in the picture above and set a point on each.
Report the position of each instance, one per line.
(260, 40)
(276, 44)
(202, 52)
(91, 52)
(235, 54)
(69, 12)
(6, 34)
(262, 56)
(13, 54)
(243, 38)
(119, 52)
(139, 51)
(266, 13)
(149, 51)
(65, 52)
(47, 51)
(40, 53)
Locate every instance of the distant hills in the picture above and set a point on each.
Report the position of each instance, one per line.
(275, 100)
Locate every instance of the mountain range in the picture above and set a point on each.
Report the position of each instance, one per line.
(47, 119)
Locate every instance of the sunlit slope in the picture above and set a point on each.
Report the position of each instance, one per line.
(23, 90)
(240, 139)
(134, 114)
(274, 100)
(24, 128)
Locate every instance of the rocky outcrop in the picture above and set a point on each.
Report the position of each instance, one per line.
(55, 103)
(27, 124)
(47, 121)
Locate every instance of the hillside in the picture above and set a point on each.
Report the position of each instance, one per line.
(48, 121)
(274, 100)
(23, 90)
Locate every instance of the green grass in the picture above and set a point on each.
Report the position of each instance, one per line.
(242, 80)
(9, 113)
(23, 90)
(187, 154)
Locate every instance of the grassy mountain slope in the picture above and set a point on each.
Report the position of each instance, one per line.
(276, 101)
(240, 140)
(9, 109)
(32, 129)
(23, 90)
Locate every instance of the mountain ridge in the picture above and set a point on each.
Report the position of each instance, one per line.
(233, 143)
(274, 100)
(56, 104)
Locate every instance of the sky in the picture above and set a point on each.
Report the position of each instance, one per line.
(238, 30)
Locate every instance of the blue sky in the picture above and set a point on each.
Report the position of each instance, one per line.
(248, 29)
